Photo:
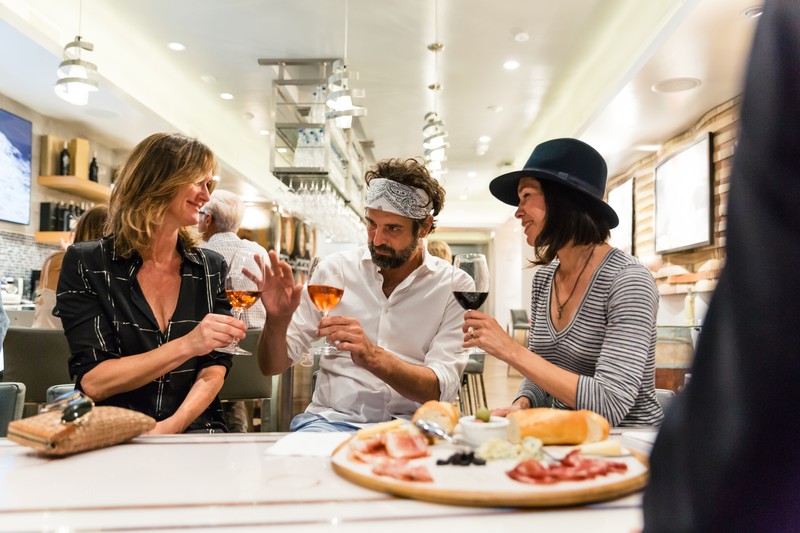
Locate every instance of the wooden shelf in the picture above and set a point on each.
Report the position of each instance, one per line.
(77, 186)
(51, 237)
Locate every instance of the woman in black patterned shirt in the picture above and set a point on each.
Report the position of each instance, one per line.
(144, 308)
(593, 307)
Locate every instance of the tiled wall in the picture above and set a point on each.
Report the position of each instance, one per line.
(19, 255)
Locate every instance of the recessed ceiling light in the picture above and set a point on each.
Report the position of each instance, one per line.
(471, 174)
(281, 150)
(753, 12)
(208, 78)
(462, 197)
(520, 36)
(226, 96)
(263, 132)
(675, 85)
(495, 108)
(178, 47)
(484, 139)
(511, 64)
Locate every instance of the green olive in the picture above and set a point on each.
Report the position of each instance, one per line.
(483, 413)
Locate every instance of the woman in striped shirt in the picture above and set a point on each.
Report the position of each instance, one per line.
(593, 307)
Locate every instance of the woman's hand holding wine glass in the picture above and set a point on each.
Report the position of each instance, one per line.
(241, 289)
(325, 288)
(471, 290)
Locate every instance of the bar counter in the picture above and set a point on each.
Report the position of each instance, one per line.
(231, 482)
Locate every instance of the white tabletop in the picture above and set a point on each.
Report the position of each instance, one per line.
(230, 482)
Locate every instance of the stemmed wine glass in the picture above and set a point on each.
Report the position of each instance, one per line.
(326, 288)
(471, 290)
(241, 290)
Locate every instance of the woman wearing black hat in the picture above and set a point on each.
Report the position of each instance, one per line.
(593, 307)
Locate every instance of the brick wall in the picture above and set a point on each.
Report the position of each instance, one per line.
(722, 122)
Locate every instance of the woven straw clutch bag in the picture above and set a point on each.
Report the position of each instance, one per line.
(102, 426)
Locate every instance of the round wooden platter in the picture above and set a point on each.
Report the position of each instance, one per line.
(489, 486)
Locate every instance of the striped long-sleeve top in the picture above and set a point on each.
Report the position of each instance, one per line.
(610, 342)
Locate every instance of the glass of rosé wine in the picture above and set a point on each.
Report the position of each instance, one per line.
(241, 290)
(325, 288)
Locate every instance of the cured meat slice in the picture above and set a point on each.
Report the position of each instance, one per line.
(401, 469)
(573, 467)
(404, 445)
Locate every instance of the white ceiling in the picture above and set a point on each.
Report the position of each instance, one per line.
(585, 71)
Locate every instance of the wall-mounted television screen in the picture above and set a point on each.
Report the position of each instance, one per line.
(683, 198)
(16, 137)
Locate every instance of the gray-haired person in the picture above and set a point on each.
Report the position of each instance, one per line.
(397, 327)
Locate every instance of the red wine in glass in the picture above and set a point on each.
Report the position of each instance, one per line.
(470, 283)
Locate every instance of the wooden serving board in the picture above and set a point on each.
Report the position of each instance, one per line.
(489, 486)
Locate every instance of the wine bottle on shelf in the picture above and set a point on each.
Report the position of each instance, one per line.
(93, 169)
(63, 161)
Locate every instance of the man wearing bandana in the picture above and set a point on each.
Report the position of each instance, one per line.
(397, 328)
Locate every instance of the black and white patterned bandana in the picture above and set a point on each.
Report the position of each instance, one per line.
(388, 195)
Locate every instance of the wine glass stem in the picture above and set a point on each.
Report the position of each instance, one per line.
(238, 312)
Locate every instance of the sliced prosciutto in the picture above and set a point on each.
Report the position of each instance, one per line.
(401, 469)
(573, 467)
(404, 445)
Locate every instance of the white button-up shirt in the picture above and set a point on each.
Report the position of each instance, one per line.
(420, 322)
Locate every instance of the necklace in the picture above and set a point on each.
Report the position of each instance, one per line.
(559, 305)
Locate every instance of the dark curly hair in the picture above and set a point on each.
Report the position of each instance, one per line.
(413, 173)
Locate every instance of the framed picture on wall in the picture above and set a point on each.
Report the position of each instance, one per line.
(16, 137)
(621, 199)
(683, 198)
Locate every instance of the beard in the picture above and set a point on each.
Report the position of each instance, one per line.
(394, 258)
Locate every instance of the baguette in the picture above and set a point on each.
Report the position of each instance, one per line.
(442, 413)
(557, 426)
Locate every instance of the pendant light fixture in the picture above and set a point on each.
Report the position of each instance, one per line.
(340, 95)
(77, 76)
(434, 134)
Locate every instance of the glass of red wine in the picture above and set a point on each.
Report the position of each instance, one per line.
(241, 290)
(471, 290)
(325, 288)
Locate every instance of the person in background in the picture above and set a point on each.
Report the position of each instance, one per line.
(144, 307)
(727, 456)
(440, 249)
(220, 219)
(593, 307)
(90, 227)
(397, 325)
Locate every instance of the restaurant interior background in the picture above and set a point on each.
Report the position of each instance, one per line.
(643, 82)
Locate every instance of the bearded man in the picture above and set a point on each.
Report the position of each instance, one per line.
(397, 329)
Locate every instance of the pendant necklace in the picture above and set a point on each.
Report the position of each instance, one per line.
(559, 305)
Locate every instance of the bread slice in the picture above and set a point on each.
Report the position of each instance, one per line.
(442, 413)
(557, 426)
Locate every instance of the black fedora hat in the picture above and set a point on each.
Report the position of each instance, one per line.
(568, 162)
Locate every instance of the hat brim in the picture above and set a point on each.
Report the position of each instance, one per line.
(504, 188)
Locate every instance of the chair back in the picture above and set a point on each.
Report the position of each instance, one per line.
(519, 319)
(38, 358)
(245, 381)
(12, 399)
(665, 397)
(57, 390)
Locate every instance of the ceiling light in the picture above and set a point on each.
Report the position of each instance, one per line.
(178, 47)
(484, 139)
(226, 96)
(675, 85)
(434, 133)
(511, 64)
(521, 36)
(462, 197)
(340, 95)
(281, 150)
(263, 132)
(753, 12)
(471, 174)
(77, 77)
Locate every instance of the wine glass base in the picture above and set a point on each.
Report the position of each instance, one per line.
(233, 351)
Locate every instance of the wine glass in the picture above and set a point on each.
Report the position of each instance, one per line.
(241, 290)
(325, 288)
(471, 290)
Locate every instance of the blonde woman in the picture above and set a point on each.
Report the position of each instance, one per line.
(144, 307)
(90, 227)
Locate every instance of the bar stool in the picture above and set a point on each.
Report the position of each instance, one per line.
(473, 392)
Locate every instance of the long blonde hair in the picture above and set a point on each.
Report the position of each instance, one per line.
(157, 169)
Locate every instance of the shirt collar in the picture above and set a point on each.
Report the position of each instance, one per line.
(186, 253)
